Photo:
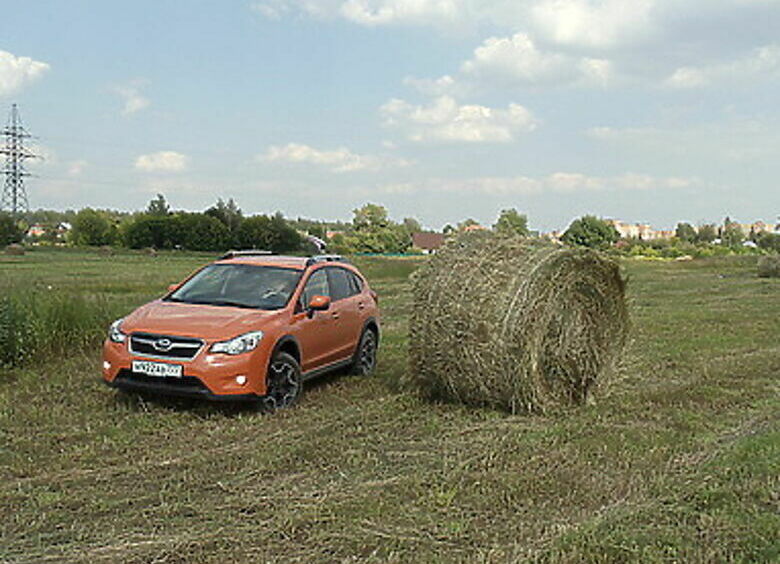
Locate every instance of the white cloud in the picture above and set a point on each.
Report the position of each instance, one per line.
(132, 98)
(447, 121)
(559, 182)
(76, 168)
(338, 160)
(383, 12)
(18, 72)
(441, 86)
(592, 23)
(761, 61)
(733, 139)
(162, 161)
(517, 59)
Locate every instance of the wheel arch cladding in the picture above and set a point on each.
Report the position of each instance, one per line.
(288, 344)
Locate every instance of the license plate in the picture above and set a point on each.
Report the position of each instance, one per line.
(160, 369)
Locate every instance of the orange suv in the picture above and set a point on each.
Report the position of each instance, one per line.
(249, 325)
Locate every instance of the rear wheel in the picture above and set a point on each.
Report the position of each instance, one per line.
(283, 382)
(365, 355)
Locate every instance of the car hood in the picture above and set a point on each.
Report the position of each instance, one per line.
(195, 320)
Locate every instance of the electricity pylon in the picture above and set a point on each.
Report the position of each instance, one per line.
(14, 198)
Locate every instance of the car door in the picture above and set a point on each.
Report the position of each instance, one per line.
(345, 311)
(316, 333)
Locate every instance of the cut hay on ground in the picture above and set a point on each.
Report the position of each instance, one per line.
(14, 249)
(769, 266)
(517, 324)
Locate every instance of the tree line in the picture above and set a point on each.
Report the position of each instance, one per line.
(223, 226)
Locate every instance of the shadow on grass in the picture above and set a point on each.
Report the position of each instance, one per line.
(140, 402)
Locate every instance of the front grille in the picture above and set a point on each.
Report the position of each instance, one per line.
(183, 382)
(165, 346)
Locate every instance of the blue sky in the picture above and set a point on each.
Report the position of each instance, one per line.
(650, 110)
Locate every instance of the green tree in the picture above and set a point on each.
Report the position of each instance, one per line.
(412, 225)
(9, 230)
(92, 228)
(510, 222)
(230, 215)
(375, 233)
(199, 232)
(707, 233)
(732, 235)
(151, 231)
(448, 229)
(370, 217)
(685, 232)
(269, 233)
(590, 231)
(158, 207)
(768, 241)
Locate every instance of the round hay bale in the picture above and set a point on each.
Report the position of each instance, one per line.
(512, 323)
(106, 250)
(14, 249)
(769, 266)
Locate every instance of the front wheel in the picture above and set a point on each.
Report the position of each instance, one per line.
(365, 355)
(283, 382)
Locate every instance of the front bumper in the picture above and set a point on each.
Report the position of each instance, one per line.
(208, 376)
(186, 386)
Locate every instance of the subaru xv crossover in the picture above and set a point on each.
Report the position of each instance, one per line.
(248, 326)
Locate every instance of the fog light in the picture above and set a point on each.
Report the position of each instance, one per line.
(106, 365)
(241, 380)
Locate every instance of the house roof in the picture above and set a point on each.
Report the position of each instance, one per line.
(428, 241)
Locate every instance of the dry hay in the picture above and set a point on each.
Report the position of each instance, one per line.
(769, 266)
(14, 249)
(517, 324)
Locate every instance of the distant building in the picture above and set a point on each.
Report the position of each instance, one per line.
(331, 234)
(36, 230)
(428, 242)
(475, 228)
(642, 231)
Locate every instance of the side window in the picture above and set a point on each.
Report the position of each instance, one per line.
(339, 284)
(355, 283)
(317, 285)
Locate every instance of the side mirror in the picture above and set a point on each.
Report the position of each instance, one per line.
(172, 287)
(317, 303)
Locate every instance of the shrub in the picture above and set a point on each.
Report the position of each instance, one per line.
(769, 266)
(9, 230)
(41, 322)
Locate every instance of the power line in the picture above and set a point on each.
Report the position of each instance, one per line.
(14, 194)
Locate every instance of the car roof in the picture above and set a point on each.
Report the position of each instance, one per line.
(267, 260)
(281, 261)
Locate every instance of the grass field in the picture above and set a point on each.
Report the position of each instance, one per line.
(677, 460)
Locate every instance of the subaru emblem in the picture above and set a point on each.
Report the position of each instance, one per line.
(163, 345)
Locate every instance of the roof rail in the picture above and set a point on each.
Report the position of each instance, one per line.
(247, 253)
(324, 258)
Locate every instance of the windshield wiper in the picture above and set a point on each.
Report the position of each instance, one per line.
(229, 303)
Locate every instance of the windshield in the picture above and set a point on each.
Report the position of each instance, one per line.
(239, 285)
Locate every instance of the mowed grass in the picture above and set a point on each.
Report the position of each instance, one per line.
(677, 459)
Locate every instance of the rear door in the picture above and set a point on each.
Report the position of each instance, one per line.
(346, 311)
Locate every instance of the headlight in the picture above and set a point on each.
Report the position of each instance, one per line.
(241, 344)
(115, 333)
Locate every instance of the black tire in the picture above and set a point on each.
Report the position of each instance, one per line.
(364, 361)
(283, 381)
